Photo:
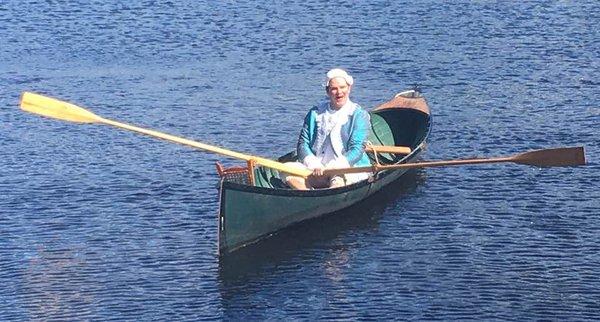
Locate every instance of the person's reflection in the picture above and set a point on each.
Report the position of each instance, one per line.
(335, 266)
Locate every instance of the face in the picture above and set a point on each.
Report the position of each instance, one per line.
(338, 92)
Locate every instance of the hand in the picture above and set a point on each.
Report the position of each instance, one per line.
(317, 172)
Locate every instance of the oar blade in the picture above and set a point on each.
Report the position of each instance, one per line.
(57, 109)
(559, 157)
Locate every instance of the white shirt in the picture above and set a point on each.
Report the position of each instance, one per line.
(329, 146)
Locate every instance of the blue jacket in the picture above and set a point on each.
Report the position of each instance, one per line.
(354, 136)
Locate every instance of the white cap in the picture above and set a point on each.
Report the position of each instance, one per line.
(337, 72)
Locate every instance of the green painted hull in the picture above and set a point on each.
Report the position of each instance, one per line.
(249, 213)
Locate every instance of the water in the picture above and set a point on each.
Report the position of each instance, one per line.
(101, 224)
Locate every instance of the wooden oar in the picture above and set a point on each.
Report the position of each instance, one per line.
(54, 108)
(558, 157)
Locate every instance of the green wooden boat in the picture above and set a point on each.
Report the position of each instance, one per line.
(256, 206)
(254, 202)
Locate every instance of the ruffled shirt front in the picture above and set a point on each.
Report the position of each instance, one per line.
(335, 138)
(328, 144)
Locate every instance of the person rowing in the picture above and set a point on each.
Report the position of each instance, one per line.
(334, 135)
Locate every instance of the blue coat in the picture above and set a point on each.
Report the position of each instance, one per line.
(354, 136)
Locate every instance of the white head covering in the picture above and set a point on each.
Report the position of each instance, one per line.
(337, 72)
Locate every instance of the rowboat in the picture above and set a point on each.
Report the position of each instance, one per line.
(254, 203)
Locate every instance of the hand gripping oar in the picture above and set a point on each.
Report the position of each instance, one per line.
(54, 108)
(559, 157)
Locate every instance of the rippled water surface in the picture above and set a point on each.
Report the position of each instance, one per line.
(98, 224)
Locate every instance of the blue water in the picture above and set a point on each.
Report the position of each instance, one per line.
(102, 224)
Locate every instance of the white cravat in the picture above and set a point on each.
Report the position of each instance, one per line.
(329, 154)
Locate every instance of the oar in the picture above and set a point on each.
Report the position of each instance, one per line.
(558, 157)
(54, 108)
